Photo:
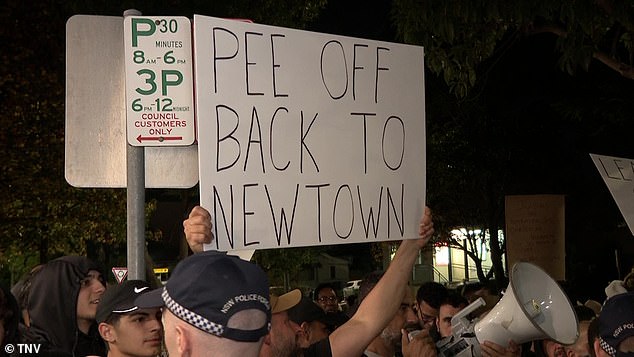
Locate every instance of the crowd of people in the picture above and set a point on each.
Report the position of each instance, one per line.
(216, 304)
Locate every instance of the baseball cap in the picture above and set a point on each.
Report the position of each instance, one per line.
(616, 323)
(119, 299)
(285, 301)
(208, 288)
(306, 311)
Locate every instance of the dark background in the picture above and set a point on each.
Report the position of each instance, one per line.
(527, 128)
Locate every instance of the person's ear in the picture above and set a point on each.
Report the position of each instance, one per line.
(305, 329)
(597, 347)
(183, 340)
(107, 332)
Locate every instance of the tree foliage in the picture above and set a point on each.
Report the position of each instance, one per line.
(42, 216)
(282, 265)
(525, 128)
(460, 36)
(513, 125)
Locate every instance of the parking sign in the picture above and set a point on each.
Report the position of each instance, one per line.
(159, 84)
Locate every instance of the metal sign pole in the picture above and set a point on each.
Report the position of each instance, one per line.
(135, 203)
(97, 152)
(136, 212)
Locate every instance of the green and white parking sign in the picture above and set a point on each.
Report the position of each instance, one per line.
(159, 81)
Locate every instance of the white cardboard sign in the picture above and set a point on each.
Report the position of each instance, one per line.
(307, 138)
(618, 175)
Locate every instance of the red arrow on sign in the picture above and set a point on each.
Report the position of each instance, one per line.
(157, 138)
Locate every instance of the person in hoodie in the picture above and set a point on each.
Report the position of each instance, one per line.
(21, 291)
(62, 305)
(9, 318)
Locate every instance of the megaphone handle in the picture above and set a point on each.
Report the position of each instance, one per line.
(459, 322)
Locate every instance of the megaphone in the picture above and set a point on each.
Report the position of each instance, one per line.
(533, 308)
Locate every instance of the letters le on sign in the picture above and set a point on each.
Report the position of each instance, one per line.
(618, 175)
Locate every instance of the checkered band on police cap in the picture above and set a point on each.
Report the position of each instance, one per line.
(616, 323)
(207, 289)
(191, 317)
(607, 348)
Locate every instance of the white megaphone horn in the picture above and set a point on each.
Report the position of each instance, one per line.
(534, 307)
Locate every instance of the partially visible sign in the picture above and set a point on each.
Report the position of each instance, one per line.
(159, 87)
(95, 139)
(618, 175)
(307, 138)
(120, 273)
(535, 232)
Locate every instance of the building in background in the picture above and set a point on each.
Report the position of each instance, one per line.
(454, 266)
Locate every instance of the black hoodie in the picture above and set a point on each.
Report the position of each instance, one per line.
(52, 309)
(10, 320)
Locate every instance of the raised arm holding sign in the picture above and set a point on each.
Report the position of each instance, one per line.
(376, 310)
(197, 229)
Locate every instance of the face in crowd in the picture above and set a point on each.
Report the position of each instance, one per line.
(92, 287)
(312, 332)
(283, 336)
(405, 318)
(139, 333)
(553, 349)
(581, 348)
(327, 299)
(443, 322)
(426, 314)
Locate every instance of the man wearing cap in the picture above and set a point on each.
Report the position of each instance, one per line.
(616, 327)
(312, 320)
(213, 303)
(351, 338)
(283, 339)
(128, 330)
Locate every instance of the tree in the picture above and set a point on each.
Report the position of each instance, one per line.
(524, 128)
(473, 241)
(467, 173)
(41, 216)
(461, 36)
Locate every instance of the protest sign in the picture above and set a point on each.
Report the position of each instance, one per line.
(307, 138)
(535, 232)
(618, 175)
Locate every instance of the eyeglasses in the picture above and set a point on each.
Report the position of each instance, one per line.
(405, 307)
(423, 317)
(426, 319)
(327, 299)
